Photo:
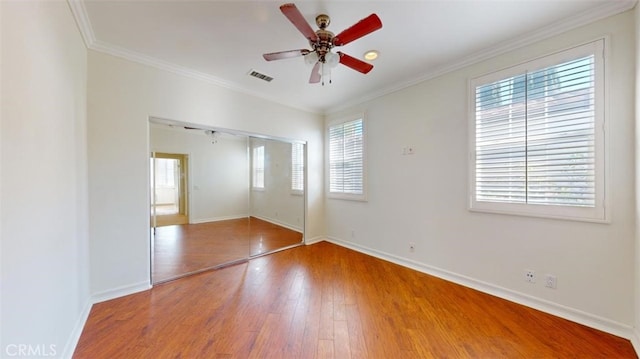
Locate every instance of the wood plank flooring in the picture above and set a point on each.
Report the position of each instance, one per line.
(325, 301)
(170, 219)
(182, 249)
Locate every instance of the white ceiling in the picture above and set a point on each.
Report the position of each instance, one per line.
(221, 41)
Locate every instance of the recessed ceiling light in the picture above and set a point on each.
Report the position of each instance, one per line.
(371, 55)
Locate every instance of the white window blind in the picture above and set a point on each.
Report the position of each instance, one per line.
(258, 167)
(346, 158)
(536, 133)
(297, 167)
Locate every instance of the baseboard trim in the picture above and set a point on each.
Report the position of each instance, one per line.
(574, 315)
(314, 240)
(120, 292)
(279, 223)
(74, 337)
(635, 340)
(216, 219)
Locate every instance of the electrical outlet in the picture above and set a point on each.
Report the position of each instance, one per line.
(551, 281)
(412, 246)
(530, 276)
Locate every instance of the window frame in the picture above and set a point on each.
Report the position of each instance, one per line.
(600, 212)
(302, 152)
(254, 169)
(362, 197)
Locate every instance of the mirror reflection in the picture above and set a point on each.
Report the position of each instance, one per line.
(219, 197)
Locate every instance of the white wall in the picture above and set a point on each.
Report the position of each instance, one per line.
(636, 338)
(121, 97)
(422, 198)
(218, 173)
(44, 246)
(276, 203)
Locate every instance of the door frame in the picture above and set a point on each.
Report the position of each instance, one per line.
(183, 197)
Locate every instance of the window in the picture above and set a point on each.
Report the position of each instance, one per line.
(165, 172)
(258, 167)
(537, 137)
(297, 167)
(346, 160)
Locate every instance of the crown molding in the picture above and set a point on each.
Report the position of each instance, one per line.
(82, 20)
(133, 56)
(608, 8)
(127, 54)
(79, 12)
(605, 10)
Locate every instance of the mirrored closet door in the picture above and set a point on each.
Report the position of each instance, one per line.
(220, 197)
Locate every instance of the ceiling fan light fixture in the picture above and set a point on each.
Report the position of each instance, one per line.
(332, 60)
(371, 55)
(311, 58)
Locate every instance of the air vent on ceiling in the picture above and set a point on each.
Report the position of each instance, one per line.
(261, 76)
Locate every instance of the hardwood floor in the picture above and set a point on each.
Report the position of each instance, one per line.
(188, 248)
(325, 301)
(170, 219)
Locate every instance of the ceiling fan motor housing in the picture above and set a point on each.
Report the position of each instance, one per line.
(323, 45)
(323, 21)
(324, 42)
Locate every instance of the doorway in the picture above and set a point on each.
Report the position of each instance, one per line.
(169, 185)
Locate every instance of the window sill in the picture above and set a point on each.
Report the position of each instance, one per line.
(591, 215)
(348, 197)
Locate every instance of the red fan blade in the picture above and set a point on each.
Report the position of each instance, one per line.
(293, 14)
(285, 54)
(354, 63)
(365, 26)
(315, 74)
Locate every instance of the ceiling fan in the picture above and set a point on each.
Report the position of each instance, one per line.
(322, 41)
